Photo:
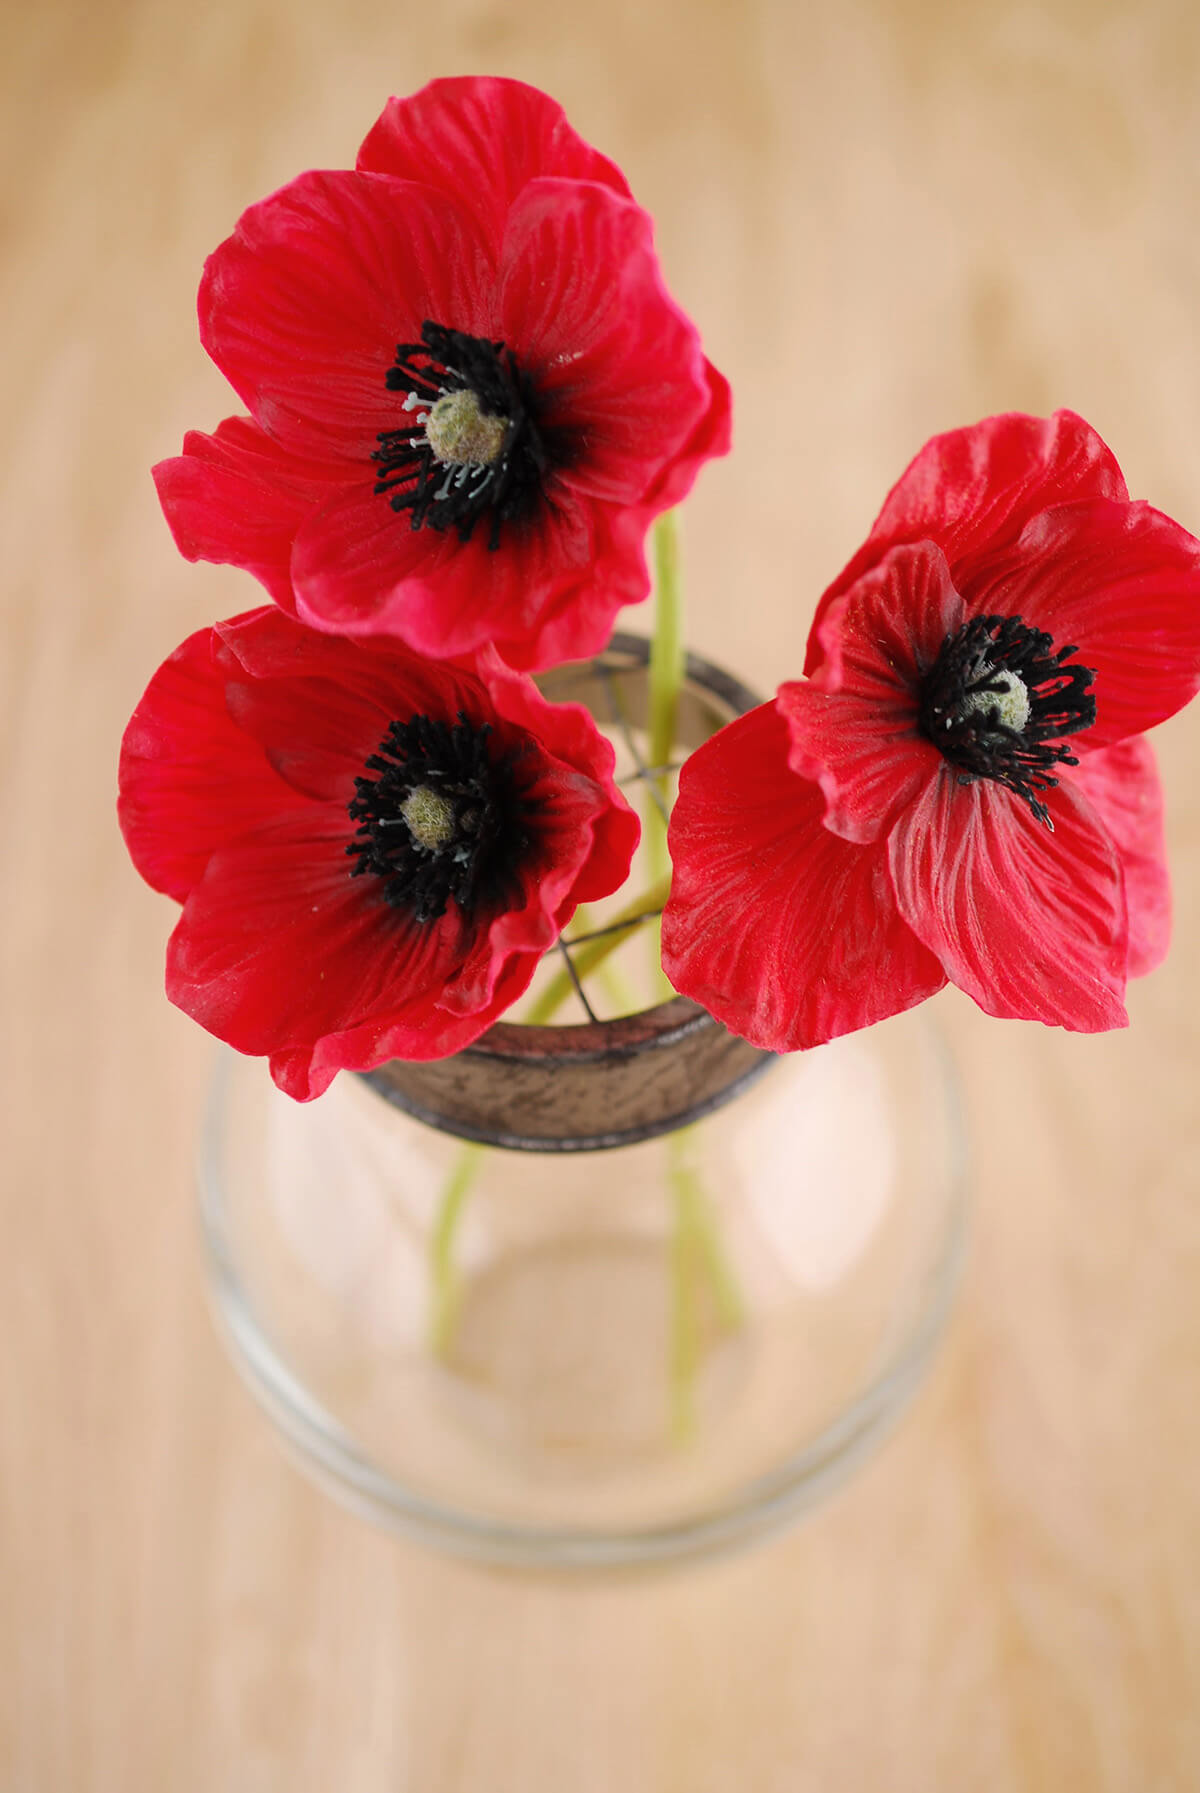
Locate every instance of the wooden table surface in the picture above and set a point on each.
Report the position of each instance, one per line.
(888, 219)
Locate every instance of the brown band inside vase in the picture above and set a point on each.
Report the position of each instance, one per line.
(605, 1083)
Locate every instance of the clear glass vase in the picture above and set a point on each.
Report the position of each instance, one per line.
(600, 1295)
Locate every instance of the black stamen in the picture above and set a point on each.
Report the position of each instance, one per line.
(485, 832)
(443, 495)
(970, 733)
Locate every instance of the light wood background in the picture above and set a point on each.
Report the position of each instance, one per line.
(888, 219)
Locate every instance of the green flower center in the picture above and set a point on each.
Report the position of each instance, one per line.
(430, 817)
(1003, 693)
(461, 434)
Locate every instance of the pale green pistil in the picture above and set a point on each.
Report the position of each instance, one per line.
(460, 434)
(430, 818)
(1011, 705)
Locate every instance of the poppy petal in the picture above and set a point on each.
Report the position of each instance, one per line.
(303, 306)
(583, 300)
(187, 779)
(785, 932)
(575, 751)
(1122, 583)
(974, 490)
(237, 497)
(855, 725)
(1122, 785)
(712, 437)
(1030, 922)
(359, 568)
(278, 943)
(479, 140)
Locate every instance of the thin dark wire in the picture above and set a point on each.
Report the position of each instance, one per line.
(643, 774)
(650, 772)
(614, 927)
(575, 979)
(622, 723)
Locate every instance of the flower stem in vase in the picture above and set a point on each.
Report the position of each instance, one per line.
(591, 953)
(443, 1274)
(590, 956)
(667, 664)
(697, 1257)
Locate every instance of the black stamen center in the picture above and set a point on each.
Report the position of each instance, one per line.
(443, 818)
(449, 481)
(999, 701)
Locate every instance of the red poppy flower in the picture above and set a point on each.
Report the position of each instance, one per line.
(372, 850)
(469, 389)
(960, 789)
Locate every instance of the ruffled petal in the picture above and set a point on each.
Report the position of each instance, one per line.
(238, 498)
(303, 306)
(576, 617)
(422, 1033)
(786, 933)
(583, 758)
(712, 437)
(974, 490)
(278, 945)
(319, 704)
(1030, 923)
(621, 379)
(189, 779)
(480, 140)
(1121, 582)
(361, 569)
(1122, 785)
(854, 726)
(321, 755)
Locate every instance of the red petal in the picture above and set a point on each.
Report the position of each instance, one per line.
(189, 779)
(480, 140)
(1121, 784)
(1122, 582)
(582, 757)
(306, 1071)
(782, 930)
(616, 364)
(360, 568)
(302, 307)
(238, 498)
(317, 735)
(712, 437)
(265, 644)
(975, 489)
(1030, 923)
(278, 945)
(854, 727)
(319, 704)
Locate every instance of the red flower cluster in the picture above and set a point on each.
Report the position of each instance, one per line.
(372, 849)
(469, 394)
(960, 789)
(470, 391)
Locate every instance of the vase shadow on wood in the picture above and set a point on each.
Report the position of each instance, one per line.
(686, 1292)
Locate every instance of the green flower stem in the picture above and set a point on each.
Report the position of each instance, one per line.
(444, 1278)
(444, 1282)
(685, 1326)
(667, 656)
(668, 660)
(592, 954)
(696, 1253)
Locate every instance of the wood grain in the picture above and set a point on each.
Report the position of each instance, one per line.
(888, 219)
